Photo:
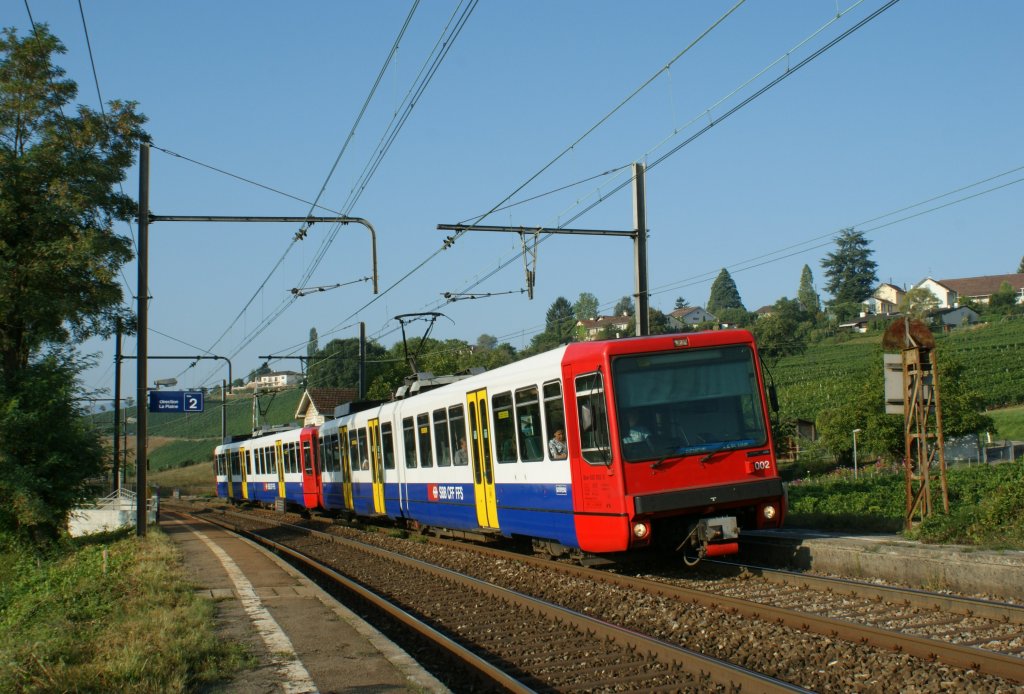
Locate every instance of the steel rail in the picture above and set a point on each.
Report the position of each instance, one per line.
(971, 607)
(721, 672)
(988, 662)
(483, 668)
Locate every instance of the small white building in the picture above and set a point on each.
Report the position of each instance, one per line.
(279, 379)
(688, 316)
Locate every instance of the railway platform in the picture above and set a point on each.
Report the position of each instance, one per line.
(890, 558)
(304, 641)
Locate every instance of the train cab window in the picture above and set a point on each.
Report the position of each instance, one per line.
(593, 419)
(554, 409)
(528, 424)
(442, 443)
(364, 450)
(307, 457)
(409, 439)
(457, 427)
(387, 440)
(504, 428)
(423, 434)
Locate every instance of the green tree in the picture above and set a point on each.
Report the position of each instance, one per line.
(59, 263)
(807, 295)
(851, 273)
(918, 302)
(585, 307)
(963, 408)
(1020, 268)
(486, 341)
(48, 449)
(337, 364)
(59, 255)
(625, 307)
(782, 333)
(724, 294)
(680, 303)
(1004, 300)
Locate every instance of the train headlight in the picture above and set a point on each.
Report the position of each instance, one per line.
(769, 512)
(641, 530)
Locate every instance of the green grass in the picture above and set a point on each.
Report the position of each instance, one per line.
(103, 614)
(1009, 422)
(986, 505)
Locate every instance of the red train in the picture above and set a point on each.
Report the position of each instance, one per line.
(593, 448)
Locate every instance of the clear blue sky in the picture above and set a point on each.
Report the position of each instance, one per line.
(923, 100)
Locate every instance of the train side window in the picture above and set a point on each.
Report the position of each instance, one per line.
(528, 424)
(409, 438)
(554, 408)
(504, 428)
(249, 463)
(457, 426)
(593, 418)
(423, 432)
(442, 444)
(272, 457)
(336, 453)
(387, 441)
(235, 470)
(353, 449)
(364, 449)
(292, 454)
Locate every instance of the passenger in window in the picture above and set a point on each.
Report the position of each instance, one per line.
(636, 431)
(462, 455)
(556, 446)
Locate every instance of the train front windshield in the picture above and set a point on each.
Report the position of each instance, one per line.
(688, 402)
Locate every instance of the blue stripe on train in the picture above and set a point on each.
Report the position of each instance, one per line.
(535, 510)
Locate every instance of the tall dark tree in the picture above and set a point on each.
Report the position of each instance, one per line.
(625, 307)
(850, 271)
(1020, 268)
(314, 342)
(559, 326)
(724, 294)
(681, 302)
(59, 266)
(808, 297)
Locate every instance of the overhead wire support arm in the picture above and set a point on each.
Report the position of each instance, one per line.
(305, 221)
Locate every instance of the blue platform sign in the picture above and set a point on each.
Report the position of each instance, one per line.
(175, 401)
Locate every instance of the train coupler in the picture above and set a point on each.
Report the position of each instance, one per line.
(711, 537)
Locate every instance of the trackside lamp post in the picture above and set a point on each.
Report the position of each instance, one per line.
(144, 219)
(855, 432)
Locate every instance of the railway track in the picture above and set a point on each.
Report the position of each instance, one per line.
(506, 640)
(814, 650)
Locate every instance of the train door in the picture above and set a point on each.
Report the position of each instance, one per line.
(234, 476)
(376, 465)
(483, 465)
(243, 459)
(279, 452)
(346, 468)
(310, 469)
